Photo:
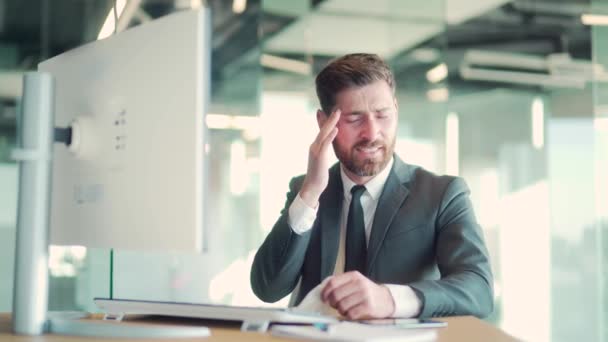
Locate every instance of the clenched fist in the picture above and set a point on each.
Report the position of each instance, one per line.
(357, 297)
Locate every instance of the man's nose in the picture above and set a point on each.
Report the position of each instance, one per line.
(370, 128)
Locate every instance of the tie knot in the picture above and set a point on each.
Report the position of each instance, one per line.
(357, 191)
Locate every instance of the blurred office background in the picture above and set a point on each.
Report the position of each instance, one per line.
(510, 95)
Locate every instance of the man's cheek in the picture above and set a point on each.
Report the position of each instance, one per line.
(339, 144)
(340, 137)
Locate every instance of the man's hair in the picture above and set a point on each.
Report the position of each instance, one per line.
(349, 71)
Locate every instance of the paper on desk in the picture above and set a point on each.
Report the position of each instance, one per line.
(349, 331)
(313, 303)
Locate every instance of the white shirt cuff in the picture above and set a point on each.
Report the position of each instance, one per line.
(301, 216)
(407, 303)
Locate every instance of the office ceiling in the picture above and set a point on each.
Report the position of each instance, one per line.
(35, 29)
(38, 29)
(387, 27)
(403, 31)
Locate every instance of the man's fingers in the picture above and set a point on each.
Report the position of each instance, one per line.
(329, 125)
(336, 282)
(332, 284)
(349, 301)
(328, 140)
(340, 293)
(361, 310)
(357, 297)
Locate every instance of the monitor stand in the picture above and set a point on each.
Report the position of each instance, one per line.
(77, 324)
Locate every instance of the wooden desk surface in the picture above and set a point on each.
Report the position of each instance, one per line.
(464, 328)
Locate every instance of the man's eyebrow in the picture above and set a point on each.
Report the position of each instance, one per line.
(360, 112)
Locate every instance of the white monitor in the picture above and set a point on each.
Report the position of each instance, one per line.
(133, 177)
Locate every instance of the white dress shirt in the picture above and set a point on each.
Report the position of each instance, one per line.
(301, 218)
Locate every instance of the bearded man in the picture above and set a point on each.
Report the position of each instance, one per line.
(390, 239)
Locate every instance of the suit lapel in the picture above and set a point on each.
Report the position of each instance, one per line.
(390, 201)
(331, 204)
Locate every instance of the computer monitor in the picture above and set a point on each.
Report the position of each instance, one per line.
(134, 175)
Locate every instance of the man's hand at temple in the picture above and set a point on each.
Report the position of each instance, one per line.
(319, 159)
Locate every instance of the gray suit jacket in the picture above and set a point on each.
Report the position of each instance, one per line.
(424, 235)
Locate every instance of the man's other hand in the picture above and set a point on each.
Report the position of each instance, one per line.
(357, 297)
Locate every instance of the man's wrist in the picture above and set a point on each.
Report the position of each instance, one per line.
(407, 304)
(309, 197)
(301, 217)
(391, 300)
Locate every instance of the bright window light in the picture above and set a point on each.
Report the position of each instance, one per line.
(421, 152)
(437, 74)
(109, 24)
(600, 124)
(239, 175)
(538, 123)
(488, 208)
(438, 94)
(286, 64)
(451, 144)
(239, 6)
(236, 122)
(218, 121)
(194, 4)
(594, 19)
(280, 161)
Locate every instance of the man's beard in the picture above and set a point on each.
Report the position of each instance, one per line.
(365, 167)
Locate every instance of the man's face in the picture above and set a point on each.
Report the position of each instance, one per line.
(366, 129)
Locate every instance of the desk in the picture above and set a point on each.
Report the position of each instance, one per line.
(464, 328)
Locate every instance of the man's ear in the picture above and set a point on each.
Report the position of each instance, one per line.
(321, 118)
(396, 103)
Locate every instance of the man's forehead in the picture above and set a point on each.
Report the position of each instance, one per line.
(364, 102)
(379, 85)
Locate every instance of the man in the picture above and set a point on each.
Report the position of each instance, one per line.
(393, 239)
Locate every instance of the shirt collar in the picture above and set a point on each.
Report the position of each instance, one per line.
(373, 187)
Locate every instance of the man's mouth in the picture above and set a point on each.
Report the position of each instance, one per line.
(369, 149)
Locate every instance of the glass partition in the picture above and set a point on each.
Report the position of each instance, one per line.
(598, 234)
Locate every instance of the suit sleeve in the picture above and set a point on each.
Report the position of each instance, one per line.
(278, 262)
(466, 285)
